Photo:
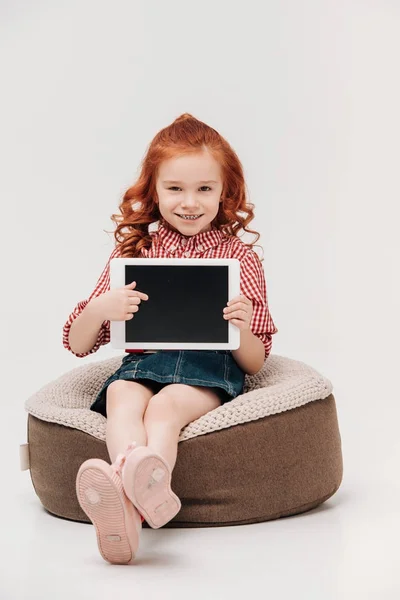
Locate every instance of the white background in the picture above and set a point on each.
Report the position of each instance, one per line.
(307, 93)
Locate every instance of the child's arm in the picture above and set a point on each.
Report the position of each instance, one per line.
(253, 286)
(88, 332)
(84, 331)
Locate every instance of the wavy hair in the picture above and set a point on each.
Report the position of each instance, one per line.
(139, 209)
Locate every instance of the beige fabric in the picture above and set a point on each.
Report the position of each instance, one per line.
(282, 384)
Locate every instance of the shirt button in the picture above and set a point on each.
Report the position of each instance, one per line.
(186, 253)
(200, 248)
(172, 248)
(184, 242)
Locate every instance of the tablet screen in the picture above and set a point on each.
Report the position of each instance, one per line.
(185, 304)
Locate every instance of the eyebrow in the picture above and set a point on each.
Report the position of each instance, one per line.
(209, 181)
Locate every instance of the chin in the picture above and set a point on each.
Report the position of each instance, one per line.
(192, 229)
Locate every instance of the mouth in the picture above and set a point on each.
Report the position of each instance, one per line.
(189, 217)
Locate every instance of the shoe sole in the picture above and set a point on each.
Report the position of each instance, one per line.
(101, 496)
(152, 496)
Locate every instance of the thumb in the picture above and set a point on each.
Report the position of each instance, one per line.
(131, 284)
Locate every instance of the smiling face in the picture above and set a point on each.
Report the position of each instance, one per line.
(189, 185)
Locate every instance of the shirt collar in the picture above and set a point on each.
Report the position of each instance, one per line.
(200, 242)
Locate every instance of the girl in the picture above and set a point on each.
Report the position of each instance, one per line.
(191, 184)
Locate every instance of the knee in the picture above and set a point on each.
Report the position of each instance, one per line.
(121, 396)
(163, 407)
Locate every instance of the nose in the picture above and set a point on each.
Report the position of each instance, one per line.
(189, 200)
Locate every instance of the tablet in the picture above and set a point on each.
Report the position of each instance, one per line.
(185, 306)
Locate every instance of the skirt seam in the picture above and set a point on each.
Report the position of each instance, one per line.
(173, 378)
(226, 370)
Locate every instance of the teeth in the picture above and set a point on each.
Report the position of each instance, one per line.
(193, 218)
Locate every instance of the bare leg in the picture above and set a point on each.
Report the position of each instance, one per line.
(126, 405)
(174, 407)
(163, 439)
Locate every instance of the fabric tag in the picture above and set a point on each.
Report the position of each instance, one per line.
(24, 457)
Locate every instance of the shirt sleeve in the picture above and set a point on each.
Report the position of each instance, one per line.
(253, 286)
(102, 285)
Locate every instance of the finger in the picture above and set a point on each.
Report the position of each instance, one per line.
(238, 303)
(130, 286)
(133, 308)
(237, 314)
(240, 298)
(135, 294)
(237, 306)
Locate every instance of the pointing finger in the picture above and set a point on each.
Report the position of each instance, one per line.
(141, 295)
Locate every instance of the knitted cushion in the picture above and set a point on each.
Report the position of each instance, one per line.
(279, 453)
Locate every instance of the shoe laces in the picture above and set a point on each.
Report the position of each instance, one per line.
(121, 458)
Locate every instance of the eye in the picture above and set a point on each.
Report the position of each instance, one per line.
(174, 187)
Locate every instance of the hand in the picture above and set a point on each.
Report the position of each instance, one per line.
(119, 304)
(239, 311)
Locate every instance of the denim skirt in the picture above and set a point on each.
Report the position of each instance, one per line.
(216, 369)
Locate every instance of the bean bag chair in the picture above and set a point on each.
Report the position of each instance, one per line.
(273, 451)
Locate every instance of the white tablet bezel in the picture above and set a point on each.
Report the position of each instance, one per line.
(117, 280)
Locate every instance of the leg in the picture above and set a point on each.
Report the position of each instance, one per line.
(126, 405)
(99, 486)
(174, 407)
(146, 474)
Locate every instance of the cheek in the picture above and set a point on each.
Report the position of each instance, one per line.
(165, 202)
(217, 203)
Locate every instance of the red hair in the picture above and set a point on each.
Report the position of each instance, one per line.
(138, 208)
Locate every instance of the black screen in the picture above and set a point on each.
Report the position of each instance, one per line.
(185, 304)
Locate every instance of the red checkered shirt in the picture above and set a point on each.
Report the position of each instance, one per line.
(167, 243)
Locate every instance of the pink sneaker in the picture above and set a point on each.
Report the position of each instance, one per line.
(146, 478)
(117, 522)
